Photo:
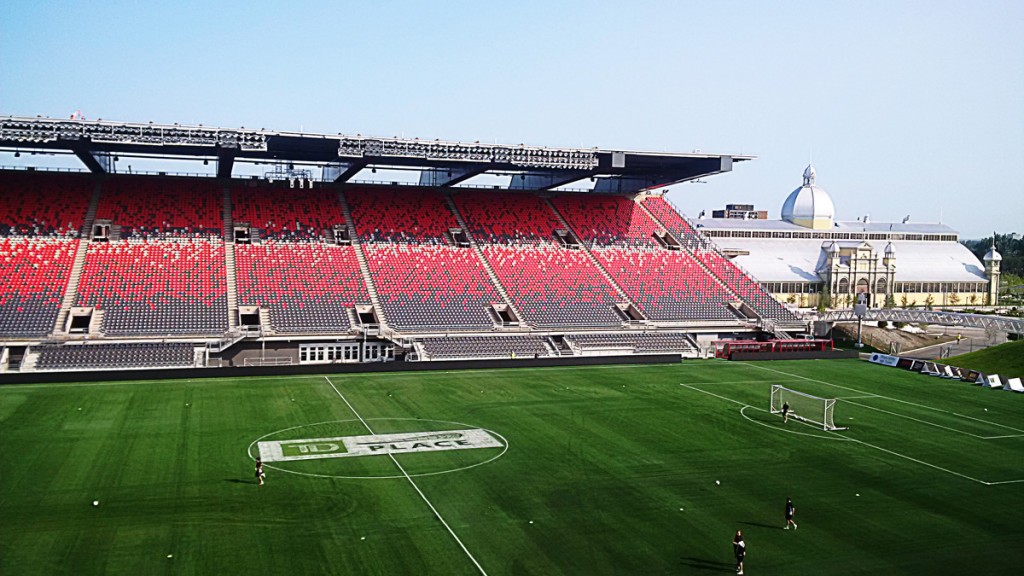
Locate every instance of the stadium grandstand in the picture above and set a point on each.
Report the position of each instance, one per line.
(574, 254)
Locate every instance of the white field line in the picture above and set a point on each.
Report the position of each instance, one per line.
(948, 471)
(857, 397)
(898, 415)
(743, 404)
(411, 481)
(740, 382)
(869, 445)
(889, 398)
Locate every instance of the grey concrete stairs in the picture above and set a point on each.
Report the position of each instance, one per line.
(75, 276)
(364, 267)
(229, 261)
(593, 259)
(480, 254)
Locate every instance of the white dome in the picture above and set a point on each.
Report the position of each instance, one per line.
(809, 205)
(890, 249)
(992, 256)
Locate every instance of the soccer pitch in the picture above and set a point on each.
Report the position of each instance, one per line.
(585, 470)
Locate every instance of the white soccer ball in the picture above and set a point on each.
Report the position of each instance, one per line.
(95, 502)
(717, 483)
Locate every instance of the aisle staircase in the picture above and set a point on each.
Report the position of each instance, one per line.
(480, 254)
(364, 266)
(75, 275)
(593, 259)
(229, 261)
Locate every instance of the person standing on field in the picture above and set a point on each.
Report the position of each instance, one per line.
(739, 549)
(790, 510)
(785, 412)
(259, 471)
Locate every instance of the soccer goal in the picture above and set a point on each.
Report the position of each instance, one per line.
(804, 407)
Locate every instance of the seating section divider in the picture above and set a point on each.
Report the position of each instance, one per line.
(549, 284)
(753, 293)
(423, 282)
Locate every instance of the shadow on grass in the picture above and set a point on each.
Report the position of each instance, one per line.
(239, 481)
(711, 565)
(760, 525)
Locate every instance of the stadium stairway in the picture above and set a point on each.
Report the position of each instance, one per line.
(265, 324)
(364, 267)
(593, 259)
(79, 263)
(229, 261)
(689, 249)
(705, 243)
(480, 254)
(28, 363)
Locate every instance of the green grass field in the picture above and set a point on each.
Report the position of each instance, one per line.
(601, 470)
(1007, 358)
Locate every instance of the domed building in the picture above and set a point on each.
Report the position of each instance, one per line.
(808, 256)
(809, 205)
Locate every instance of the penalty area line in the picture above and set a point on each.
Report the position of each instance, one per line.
(411, 481)
(863, 443)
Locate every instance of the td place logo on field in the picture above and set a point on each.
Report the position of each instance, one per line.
(373, 445)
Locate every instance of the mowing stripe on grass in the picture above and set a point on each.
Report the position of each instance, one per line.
(411, 481)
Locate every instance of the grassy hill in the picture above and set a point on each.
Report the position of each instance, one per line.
(1006, 359)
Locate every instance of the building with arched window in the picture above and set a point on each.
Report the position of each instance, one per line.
(808, 255)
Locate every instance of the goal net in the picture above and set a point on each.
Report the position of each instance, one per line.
(804, 407)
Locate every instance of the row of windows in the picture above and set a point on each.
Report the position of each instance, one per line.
(793, 287)
(843, 287)
(327, 353)
(940, 287)
(829, 235)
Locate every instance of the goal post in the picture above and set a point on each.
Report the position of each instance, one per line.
(804, 407)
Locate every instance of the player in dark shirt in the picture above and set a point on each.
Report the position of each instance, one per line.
(790, 510)
(739, 549)
(785, 412)
(259, 471)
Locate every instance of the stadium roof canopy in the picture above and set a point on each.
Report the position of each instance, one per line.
(440, 163)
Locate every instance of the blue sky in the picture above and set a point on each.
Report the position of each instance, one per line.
(907, 107)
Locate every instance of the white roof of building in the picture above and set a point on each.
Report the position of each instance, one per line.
(783, 226)
(808, 202)
(796, 260)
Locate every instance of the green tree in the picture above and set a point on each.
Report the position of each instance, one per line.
(890, 301)
(825, 302)
(904, 302)
(929, 302)
(954, 299)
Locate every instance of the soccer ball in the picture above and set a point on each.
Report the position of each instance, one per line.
(717, 483)
(95, 502)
